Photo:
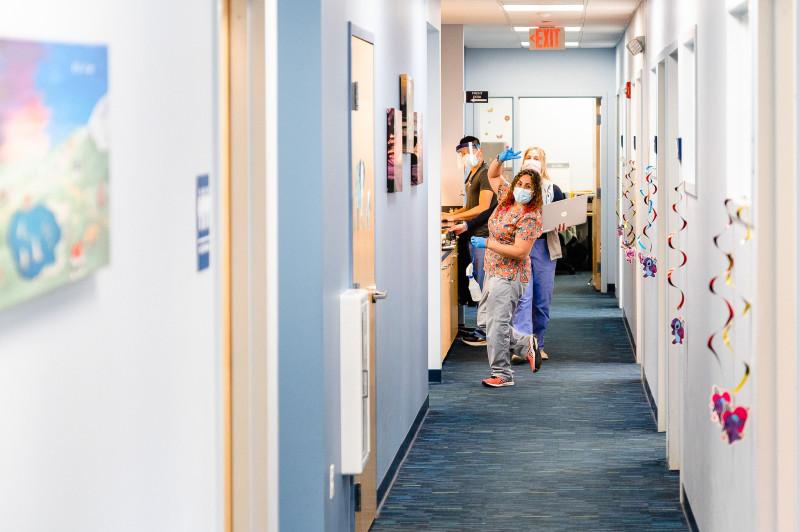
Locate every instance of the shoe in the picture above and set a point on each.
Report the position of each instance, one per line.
(474, 341)
(497, 382)
(465, 331)
(480, 333)
(534, 355)
(516, 359)
(544, 355)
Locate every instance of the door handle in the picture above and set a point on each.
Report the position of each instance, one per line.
(377, 294)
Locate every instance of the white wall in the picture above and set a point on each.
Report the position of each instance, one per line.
(111, 387)
(566, 129)
(718, 478)
(572, 73)
(452, 112)
(433, 174)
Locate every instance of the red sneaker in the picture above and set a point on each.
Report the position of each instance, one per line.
(497, 382)
(534, 354)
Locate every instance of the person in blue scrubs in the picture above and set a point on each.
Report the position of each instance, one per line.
(533, 313)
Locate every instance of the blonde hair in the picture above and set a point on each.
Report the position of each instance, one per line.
(542, 158)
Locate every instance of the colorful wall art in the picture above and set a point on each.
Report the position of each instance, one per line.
(54, 173)
(417, 164)
(394, 150)
(407, 109)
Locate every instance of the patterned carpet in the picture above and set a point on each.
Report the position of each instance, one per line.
(573, 447)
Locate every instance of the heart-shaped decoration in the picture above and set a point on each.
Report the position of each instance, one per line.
(629, 255)
(733, 423)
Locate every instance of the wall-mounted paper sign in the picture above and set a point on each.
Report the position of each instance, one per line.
(477, 97)
(547, 39)
(203, 208)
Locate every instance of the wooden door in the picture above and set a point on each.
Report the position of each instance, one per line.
(362, 160)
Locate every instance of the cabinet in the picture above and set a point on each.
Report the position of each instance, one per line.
(449, 302)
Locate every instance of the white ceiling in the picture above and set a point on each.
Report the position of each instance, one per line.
(487, 25)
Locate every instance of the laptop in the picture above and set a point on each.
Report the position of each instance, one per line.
(570, 211)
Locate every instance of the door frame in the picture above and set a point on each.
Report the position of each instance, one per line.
(672, 364)
(607, 225)
(369, 489)
(246, 115)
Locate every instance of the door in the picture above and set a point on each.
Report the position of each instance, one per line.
(596, 212)
(362, 172)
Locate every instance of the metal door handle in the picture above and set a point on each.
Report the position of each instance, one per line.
(377, 294)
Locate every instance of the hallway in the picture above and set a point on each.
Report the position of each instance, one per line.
(591, 459)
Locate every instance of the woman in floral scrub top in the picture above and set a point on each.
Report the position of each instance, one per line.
(513, 228)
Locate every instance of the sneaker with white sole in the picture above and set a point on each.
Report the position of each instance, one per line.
(534, 354)
(497, 382)
(474, 341)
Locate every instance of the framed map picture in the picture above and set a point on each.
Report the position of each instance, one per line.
(54, 172)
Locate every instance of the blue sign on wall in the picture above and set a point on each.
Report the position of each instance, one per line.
(203, 223)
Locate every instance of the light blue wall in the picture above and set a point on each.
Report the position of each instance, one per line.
(304, 397)
(400, 32)
(315, 247)
(579, 72)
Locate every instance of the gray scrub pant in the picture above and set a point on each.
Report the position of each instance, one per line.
(498, 302)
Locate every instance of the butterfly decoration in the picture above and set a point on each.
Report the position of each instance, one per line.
(678, 327)
(648, 265)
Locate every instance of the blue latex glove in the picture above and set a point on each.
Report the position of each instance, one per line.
(509, 155)
(478, 242)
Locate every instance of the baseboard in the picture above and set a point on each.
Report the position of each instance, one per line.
(630, 333)
(435, 376)
(687, 511)
(388, 480)
(650, 400)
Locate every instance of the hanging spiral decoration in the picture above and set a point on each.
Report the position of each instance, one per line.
(678, 324)
(648, 193)
(629, 214)
(724, 411)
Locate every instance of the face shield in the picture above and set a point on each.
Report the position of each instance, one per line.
(467, 157)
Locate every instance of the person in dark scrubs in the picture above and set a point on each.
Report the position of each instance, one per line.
(479, 198)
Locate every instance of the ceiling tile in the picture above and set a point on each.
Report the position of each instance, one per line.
(488, 25)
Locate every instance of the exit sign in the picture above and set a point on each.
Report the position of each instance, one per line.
(547, 39)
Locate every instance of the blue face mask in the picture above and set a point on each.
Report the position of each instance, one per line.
(523, 195)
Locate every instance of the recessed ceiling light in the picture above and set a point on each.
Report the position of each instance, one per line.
(572, 44)
(523, 28)
(525, 43)
(543, 7)
(572, 28)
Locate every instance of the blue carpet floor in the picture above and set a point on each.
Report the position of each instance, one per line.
(573, 447)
